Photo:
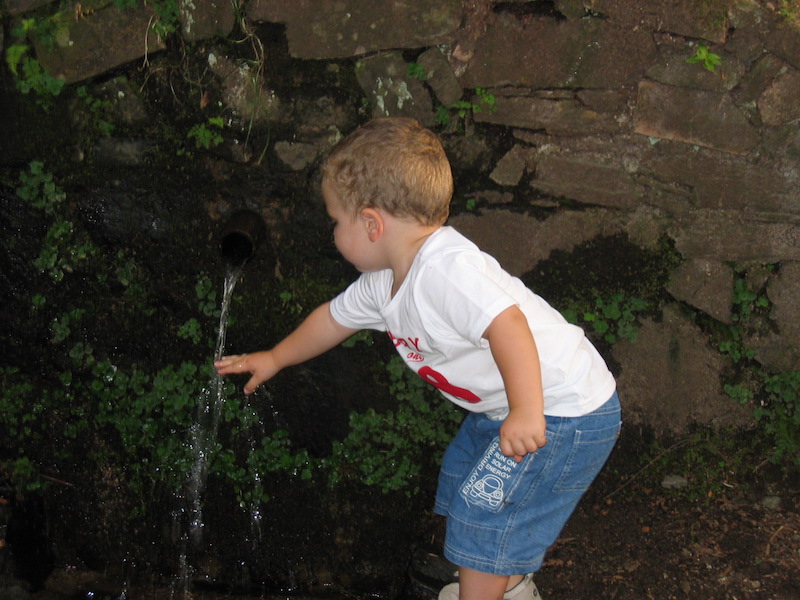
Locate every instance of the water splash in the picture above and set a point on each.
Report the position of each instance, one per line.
(203, 441)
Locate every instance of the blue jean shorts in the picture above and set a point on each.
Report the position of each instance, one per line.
(502, 516)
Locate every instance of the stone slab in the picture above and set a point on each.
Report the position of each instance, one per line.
(783, 292)
(18, 7)
(716, 122)
(707, 20)
(546, 53)
(519, 242)
(757, 79)
(325, 29)
(738, 236)
(587, 179)
(100, 42)
(779, 103)
(784, 41)
(560, 116)
(714, 181)
(704, 284)
(440, 76)
(513, 165)
(671, 376)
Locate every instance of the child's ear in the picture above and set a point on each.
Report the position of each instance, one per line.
(373, 221)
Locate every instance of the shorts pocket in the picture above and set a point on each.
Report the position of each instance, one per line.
(493, 479)
(590, 451)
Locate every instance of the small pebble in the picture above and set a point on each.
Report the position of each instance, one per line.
(771, 502)
(674, 482)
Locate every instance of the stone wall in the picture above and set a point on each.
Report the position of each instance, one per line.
(607, 123)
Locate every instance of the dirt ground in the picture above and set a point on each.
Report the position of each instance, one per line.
(649, 544)
(633, 539)
(646, 542)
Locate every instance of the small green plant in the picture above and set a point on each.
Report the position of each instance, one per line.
(779, 415)
(62, 327)
(63, 249)
(790, 10)
(364, 336)
(390, 449)
(486, 102)
(191, 330)
(96, 107)
(417, 71)
(14, 56)
(611, 318)
(127, 273)
(290, 303)
(29, 76)
(745, 302)
(168, 17)
(33, 78)
(273, 454)
(738, 392)
(38, 301)
(25, 475)
(207, 296)
(775, 396)
(703, 55)
(39, 189)
(463, 108)
(207, 135)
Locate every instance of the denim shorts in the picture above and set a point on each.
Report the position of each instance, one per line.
(502, 516)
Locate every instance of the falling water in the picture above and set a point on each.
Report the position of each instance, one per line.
(203, 439)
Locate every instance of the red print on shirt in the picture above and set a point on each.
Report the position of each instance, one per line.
(405, 342)
(435, 378)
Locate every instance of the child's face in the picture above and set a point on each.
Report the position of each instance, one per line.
(349, 233)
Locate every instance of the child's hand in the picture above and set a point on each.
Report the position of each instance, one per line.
(523, 432)
(260, 364)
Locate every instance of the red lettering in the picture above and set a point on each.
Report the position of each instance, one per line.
(438, 380)
(405, 342)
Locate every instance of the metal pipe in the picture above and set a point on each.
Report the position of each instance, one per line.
(241, 236)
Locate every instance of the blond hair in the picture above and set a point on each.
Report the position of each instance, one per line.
(394, 164)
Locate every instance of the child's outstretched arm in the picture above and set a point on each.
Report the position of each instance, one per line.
(517, 358)
(314, 336)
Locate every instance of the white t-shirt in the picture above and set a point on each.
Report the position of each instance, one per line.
(436, 319)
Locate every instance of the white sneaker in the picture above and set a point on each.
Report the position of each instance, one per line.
(524, 590)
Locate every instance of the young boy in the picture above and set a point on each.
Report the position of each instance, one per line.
(543, 410)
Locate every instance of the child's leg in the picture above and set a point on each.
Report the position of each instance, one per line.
(476, 585)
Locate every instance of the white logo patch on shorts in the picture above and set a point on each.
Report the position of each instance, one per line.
(486, 484)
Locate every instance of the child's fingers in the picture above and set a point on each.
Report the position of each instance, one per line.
(510, 448)
(252, 384)
(519, 448)
(236, 363)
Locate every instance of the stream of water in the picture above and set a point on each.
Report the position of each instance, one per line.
(203, 440)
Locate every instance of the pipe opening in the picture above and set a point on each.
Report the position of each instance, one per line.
(241, 236)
